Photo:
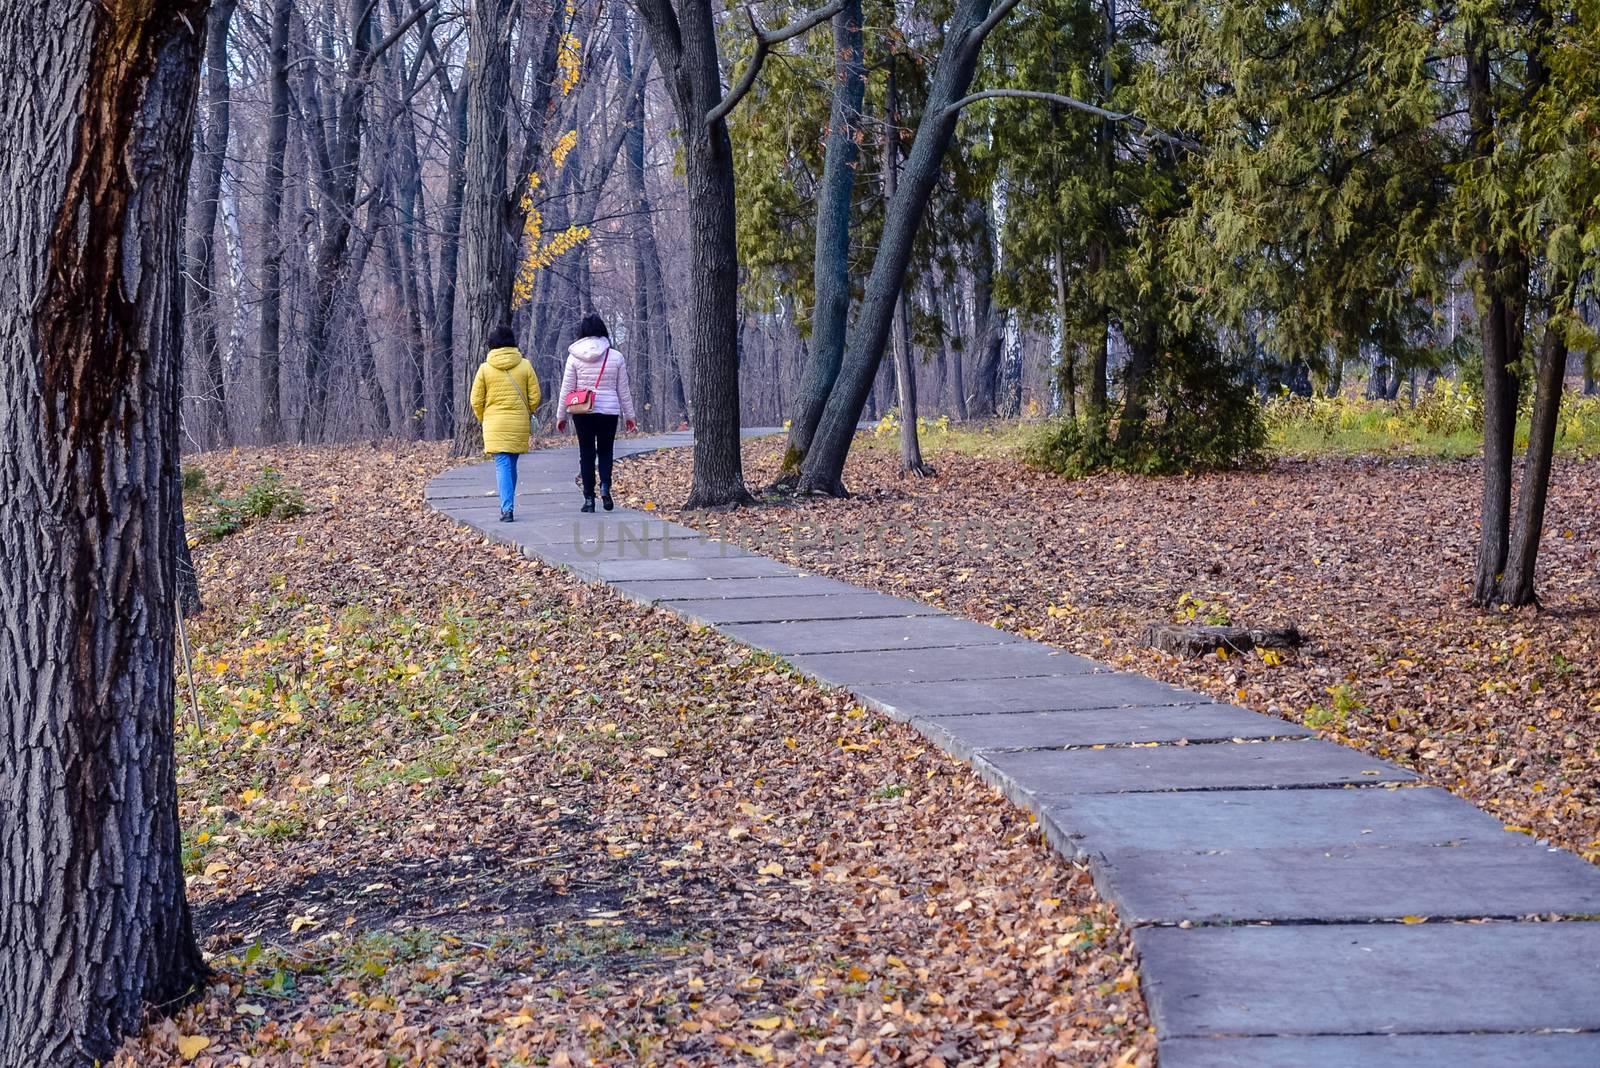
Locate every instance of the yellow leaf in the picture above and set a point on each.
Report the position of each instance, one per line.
(1413, 919)
(190, 1046)
(521, 1019)
(771, 869)
(768, 1023)
(655, 751)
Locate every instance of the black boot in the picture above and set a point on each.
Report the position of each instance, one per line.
(605, 498)
(505, 515)
(588, 505)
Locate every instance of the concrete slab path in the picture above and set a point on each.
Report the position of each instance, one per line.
(1295, 902)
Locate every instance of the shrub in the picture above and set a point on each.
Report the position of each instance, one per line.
(1203, 417)
(1450, 408)
(267, 497)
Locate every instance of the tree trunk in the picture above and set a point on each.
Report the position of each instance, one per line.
(441, 355)
(487, 243)
(686, 42)
(1136, 386)
(337, 180)
(1517, 585)
(956, 372)
(1065, 354)
(905, 374)
(397, 270)
(831, 262)
(92, 910)
(641, 342)
(987, 317)
(964, 35)
(268, 347)
(1335, 376)
(200, 305)
(1503, 280)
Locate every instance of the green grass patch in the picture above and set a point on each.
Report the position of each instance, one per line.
(990, 439)
(1447, 421)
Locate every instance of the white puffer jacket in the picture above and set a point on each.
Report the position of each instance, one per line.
(613, 395)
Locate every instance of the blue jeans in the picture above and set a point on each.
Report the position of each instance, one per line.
(505, 477)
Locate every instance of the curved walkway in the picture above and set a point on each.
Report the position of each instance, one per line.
(1277, 884)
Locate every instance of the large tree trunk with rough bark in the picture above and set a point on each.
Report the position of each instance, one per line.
(486, 240)
(685, 42)
(969, 24)
(831, 263)
(98, 105)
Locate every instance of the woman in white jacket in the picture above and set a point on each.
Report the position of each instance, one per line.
(593, 365)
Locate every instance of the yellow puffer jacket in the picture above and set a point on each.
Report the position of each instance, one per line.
(498, 404)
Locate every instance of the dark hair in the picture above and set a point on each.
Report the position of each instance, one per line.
(502, 337)
(593, 326)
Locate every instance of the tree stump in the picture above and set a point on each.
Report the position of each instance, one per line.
(1195, 639)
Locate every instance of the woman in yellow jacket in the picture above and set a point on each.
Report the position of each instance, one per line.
(505, 394)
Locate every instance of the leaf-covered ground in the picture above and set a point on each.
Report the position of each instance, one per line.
(1370, 557)
(450, 807)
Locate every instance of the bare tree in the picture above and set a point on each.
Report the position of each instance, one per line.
(269, 344)
(201, 269)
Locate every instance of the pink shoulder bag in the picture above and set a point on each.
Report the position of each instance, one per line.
(581, 401)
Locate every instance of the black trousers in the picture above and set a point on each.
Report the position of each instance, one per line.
(597, 434)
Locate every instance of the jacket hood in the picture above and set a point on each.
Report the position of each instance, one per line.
(504, 359)
(588, 349)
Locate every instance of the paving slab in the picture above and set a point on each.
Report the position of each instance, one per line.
(1223, 766)
(1549, 1050)
(921, 632)
(1108, 689)
(614, 531)
(1020, 660)
(1364, 979)
(965, 735)
(737, 588)
(1200, 821)
(1345, 884)
(854, 605)
(713, 567)
(625, 549)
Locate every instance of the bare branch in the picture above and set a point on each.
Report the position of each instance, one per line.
(394, 37)
(764, 42)
(1072, 102)
(986, 27)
